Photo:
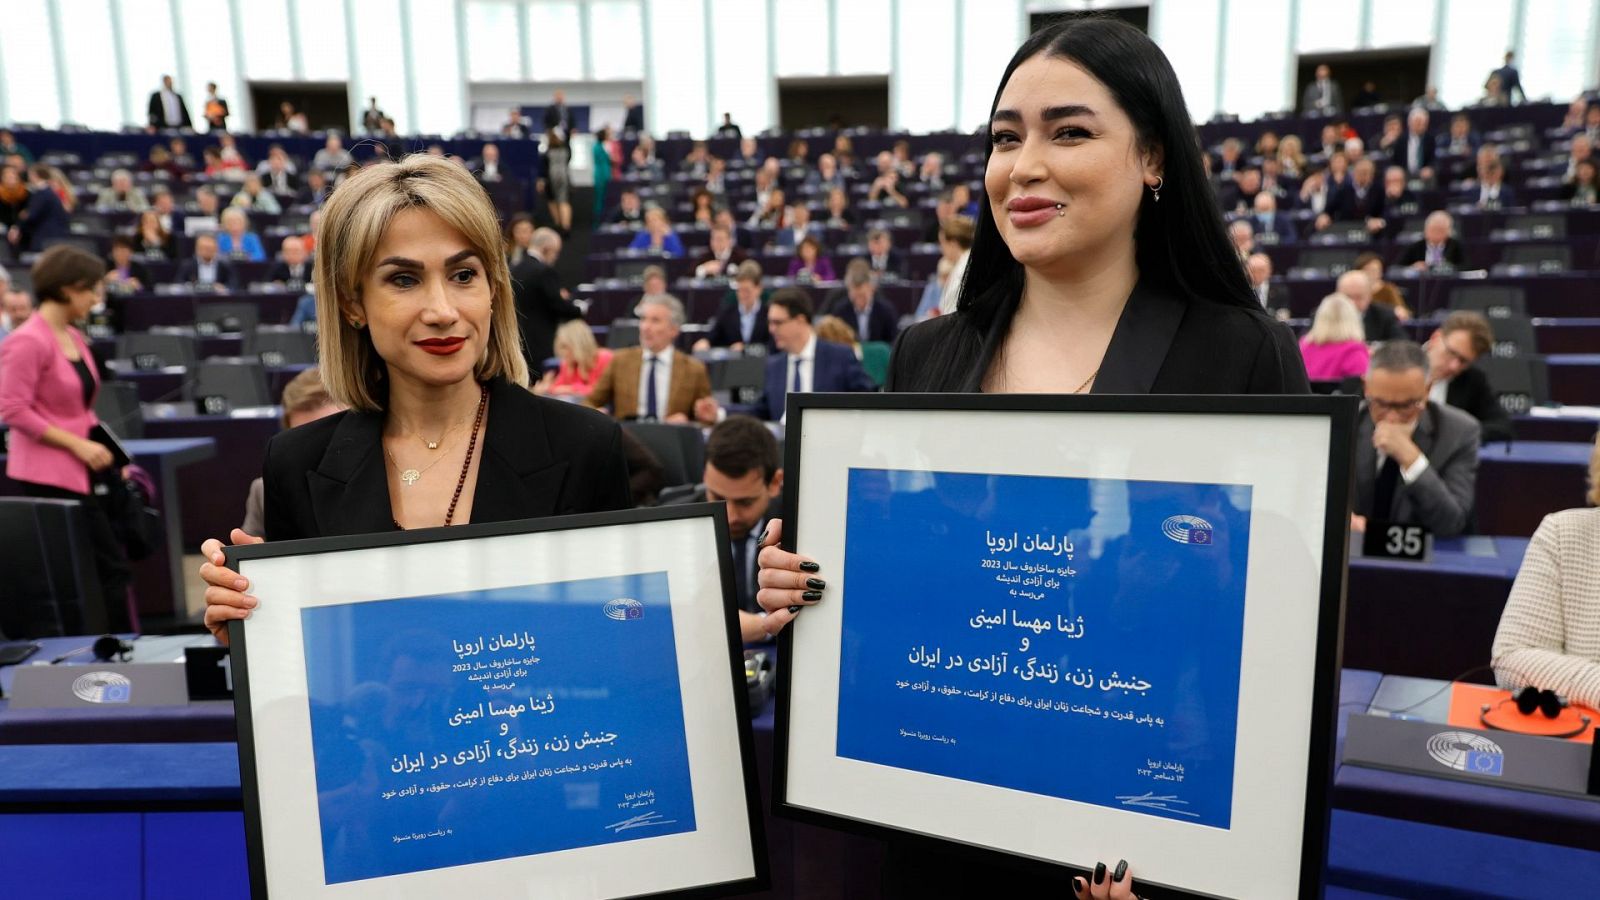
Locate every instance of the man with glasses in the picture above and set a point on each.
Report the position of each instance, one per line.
(1416, 460)
(804, 363)
(1463, 339)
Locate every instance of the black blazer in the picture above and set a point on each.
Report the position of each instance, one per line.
(536, 291)
(725, 331)
(1381, 324)
(882, 321)
(44, 220)
(156, 112)
(1471, 393)
(541, 457)
(280, 272)
(1417, 251)
(189, 271)
(1163, 344)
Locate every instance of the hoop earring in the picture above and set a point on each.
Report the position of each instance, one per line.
(1155, 189)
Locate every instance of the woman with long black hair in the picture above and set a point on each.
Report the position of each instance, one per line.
(1100, 265)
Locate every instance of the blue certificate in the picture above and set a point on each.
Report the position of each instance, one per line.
(462, 728)
(1074, 638)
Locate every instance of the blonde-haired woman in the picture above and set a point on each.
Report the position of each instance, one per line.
(1336, 346)
(1292, 156)
(420, 342)
(1549, 634)
(583, 361)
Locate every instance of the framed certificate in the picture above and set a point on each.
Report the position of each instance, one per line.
(545, 708)
(1069, 629)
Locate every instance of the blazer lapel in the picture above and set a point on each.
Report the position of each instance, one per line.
(680, 393)
(518, 476)
(350, 486)
(1140, 342)
(625, 382)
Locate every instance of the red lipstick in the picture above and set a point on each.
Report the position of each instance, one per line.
(442, 346)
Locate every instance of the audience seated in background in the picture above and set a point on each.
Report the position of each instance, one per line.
(833, 330)
(1416, 461)
(1438, 248)
(885, 189)
(883, 257)
(798, 227)
(804, 363)
(1242, 235)
(770, 212)
(305, 400)
(293, 268)
(121, 195)
(237, 241)
(1461, 340)
(488, 169)
(279, 173)
(1377, 321)
(826, 176)
(15, 306)
(653, 381)
(1322, 97)
(254, 197)
(1549, 634)
(10, 147)
(743, 321)
(657, 236)
(839, 214)
(333, 157)
(861, 306)
(1584, 188)
(519, 238)
(1490, 191)
(1271, 227)
(124, 273)
(1362, 200)
(152, 241)
(1335, 348)
(1274, 298)
(45, 219)
(207, 268)
(582, 362)
(722, 255)
(13, 197)
(628, 211)
(1383, 293)
(809, 264)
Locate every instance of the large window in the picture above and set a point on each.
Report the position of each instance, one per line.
(676, 86)
(320, 29)
(736, 53)
(555, 41)
(616, 40)
(267, 52)
(90, 62)
(29, 57)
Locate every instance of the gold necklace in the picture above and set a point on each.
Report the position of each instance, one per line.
(410, 476)
(1086, 381)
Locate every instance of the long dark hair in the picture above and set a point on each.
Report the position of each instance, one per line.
(1180, 242)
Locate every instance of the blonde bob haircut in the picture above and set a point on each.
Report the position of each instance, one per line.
(353, 222)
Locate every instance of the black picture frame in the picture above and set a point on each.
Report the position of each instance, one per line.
(247, 737)
(1339, 411)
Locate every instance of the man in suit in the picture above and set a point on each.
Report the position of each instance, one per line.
(744, 469)
(1416, 460)
(1271, 226)
(1362, 201)
(862, 309)
(207, 268)
(799, 228)
(633, 119)
(1437, 249)
(293, 268)
(1272, 297)
(1322, 96)
(1377, 319)
(44, 220)
(1510, 79)
(488, 168)
(1491, 191)
(728, 129)
(1417, 152)
(805, 363)
(629, 210)
(1461, 340)
(722, 256)
(166, 108)
(542, 303)
(556, 116)
(882, 256)
(744, 321)
(654, 382)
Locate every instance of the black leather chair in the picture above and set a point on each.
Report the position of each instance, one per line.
(49, 586)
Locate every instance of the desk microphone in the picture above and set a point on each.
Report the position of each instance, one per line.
(104, 649)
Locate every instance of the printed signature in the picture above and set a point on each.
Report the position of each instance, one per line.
(1150, 800)
(640, 821)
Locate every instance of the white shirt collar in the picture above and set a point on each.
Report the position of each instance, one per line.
(664, 356)
(810, 351)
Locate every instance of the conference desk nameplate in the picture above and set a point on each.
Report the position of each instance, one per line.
(99, 686)
(1499, 758)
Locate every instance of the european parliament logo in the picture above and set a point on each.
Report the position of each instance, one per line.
(624, 608)
(103, 687)
(1187, 529)
(1467, 751)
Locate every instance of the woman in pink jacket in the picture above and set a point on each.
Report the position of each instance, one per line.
(48, 383)
(1335, 348)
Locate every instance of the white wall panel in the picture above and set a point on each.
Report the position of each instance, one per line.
(676, 84)
(923, 84)
(1255, 71)
(267, 55)
(1327, 25)
(494, 41)
(991, 32)
(1187, 33)
(435, 69)
(616, 40)
(861, 37)
(801, 32)
(1557, 48)
(555, 41)
(1408, 24)
(324, 49)
(740, 79)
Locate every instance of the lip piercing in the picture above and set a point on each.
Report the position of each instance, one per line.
(1061, 210)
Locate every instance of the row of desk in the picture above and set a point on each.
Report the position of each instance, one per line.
(159, 800)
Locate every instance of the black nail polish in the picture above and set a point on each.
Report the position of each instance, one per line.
(1099, 873)
(1078, 885)
(793, 610)
(809, 566)
(811, 596)
(816, 584)
(1121, 871)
